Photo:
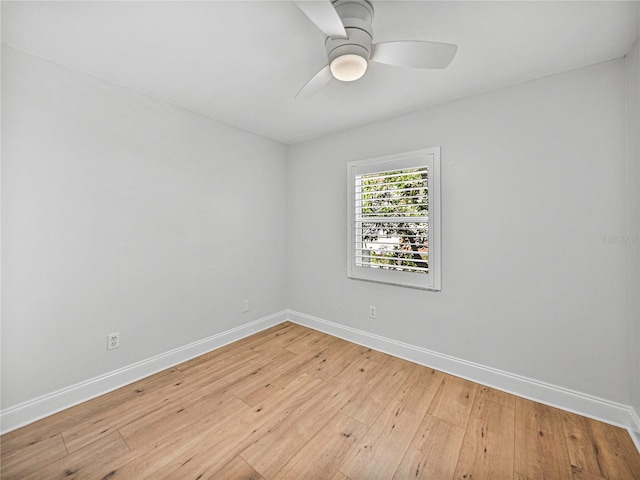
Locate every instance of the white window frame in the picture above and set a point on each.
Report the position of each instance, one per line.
(429, 157)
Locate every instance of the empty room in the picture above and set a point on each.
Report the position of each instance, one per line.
(321, 239)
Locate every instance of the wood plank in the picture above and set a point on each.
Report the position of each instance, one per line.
(187, 410)
(377, 356)
(335, 359)
(496, 396)
(434, 451)
(380, 452)
(578, 473)
(236, 469)
(280, 340)
(198, 414)
(487, 448)
(219, 363)
(540, 446)
(85, 462)
(51, 426)
(126, 413)
(315, 338)
(595, 450)
(366, 404)
(19, 463)
(608, 451)
(352, 379)
(208, 455)
(324, 453)
(628, 449)
(517, 476)
(234, 347)
(454, 400)
(258, 389)
(270, 452)
(583, 451)
(142, 462)
(340, 476)
(188, 452)
(315, 341)
(267, 373)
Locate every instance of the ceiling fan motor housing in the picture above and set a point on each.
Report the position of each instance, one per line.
(357, 17)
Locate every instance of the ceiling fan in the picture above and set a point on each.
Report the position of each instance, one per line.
(350, 47)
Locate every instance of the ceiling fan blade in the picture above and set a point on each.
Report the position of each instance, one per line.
(313, 86)
(324, 16)
(414, 54)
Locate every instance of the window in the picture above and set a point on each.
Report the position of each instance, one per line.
(394, 219)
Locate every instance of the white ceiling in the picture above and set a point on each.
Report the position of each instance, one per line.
(243, 62)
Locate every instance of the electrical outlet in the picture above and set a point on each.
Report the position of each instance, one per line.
(372, 312)
(245, 306)
(113, 340)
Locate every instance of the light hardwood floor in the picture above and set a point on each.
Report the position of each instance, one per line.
(294, 403)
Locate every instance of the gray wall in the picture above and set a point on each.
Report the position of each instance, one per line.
(633, 217)
(533, 180)
(122, 213)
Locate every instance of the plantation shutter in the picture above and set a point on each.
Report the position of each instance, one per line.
(392, 220)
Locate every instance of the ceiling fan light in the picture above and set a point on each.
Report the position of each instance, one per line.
(349, 67)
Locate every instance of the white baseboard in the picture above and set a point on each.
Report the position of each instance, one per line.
(566, 399)
(32, 410)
